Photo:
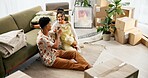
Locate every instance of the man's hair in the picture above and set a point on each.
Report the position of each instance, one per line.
(44, 21)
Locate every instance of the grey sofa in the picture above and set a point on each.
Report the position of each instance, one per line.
(20, 20)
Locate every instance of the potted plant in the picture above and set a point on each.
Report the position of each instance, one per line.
(105, 28)
(85, 3)
(112, 12)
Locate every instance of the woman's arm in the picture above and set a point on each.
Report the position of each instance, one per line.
(75, 37)
(57, 38)
(36, 26)
(74, 33)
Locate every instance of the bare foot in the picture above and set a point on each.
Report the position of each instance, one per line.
(89, 66)
(73, 60)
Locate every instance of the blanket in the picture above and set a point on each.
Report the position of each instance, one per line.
(11, 42)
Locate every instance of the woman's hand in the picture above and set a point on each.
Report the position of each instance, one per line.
(58, 32)
(74, 43)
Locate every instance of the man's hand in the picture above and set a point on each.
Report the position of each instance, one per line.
(59, 31)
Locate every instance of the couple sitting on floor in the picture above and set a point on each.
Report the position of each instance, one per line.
(49, 39)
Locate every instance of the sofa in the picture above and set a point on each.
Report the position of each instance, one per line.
(16, 21)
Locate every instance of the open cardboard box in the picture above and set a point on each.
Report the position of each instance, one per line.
(113, 68)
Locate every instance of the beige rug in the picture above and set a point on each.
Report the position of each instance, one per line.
(37, 70)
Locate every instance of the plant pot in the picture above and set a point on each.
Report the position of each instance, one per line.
(106, 37)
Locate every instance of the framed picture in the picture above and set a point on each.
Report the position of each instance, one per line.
(83, 17)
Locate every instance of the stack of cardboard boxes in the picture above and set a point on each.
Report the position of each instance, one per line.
(100, 14)
(126, 31)
(99, 11)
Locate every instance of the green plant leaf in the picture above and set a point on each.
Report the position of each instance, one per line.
(108, 20)
(117, 1)
(120, 11)
(100, 28)
(111, 9)
(111, 5)
(112, 13)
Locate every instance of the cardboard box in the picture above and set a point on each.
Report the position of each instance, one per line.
(144, 41)
(129, 12)
(113, 68)
(132, 36)
(100, 11)
(125, 23)
(123, 36)
(102, 3)
(135, 37)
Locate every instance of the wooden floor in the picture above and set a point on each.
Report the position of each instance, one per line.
(134, 55)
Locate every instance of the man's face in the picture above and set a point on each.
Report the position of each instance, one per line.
(48, 26)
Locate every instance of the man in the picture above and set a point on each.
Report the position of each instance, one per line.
(49, 53)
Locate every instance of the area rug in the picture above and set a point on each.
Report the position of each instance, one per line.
(89, 51)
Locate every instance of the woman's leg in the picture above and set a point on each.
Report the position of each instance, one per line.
(68, 64)
(68, 47)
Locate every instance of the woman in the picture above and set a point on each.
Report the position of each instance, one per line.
(68, 37)
(49, 53)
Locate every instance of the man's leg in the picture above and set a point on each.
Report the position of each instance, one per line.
(73, 55)
(68, 64)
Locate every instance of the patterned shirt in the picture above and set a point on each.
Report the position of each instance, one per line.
(45, 43)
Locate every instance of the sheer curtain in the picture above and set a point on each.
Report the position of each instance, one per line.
(141, 14)
(12, 6)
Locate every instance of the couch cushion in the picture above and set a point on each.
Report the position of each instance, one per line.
(23, 18)
(23, 54)
(35, 20)
(7, 24)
